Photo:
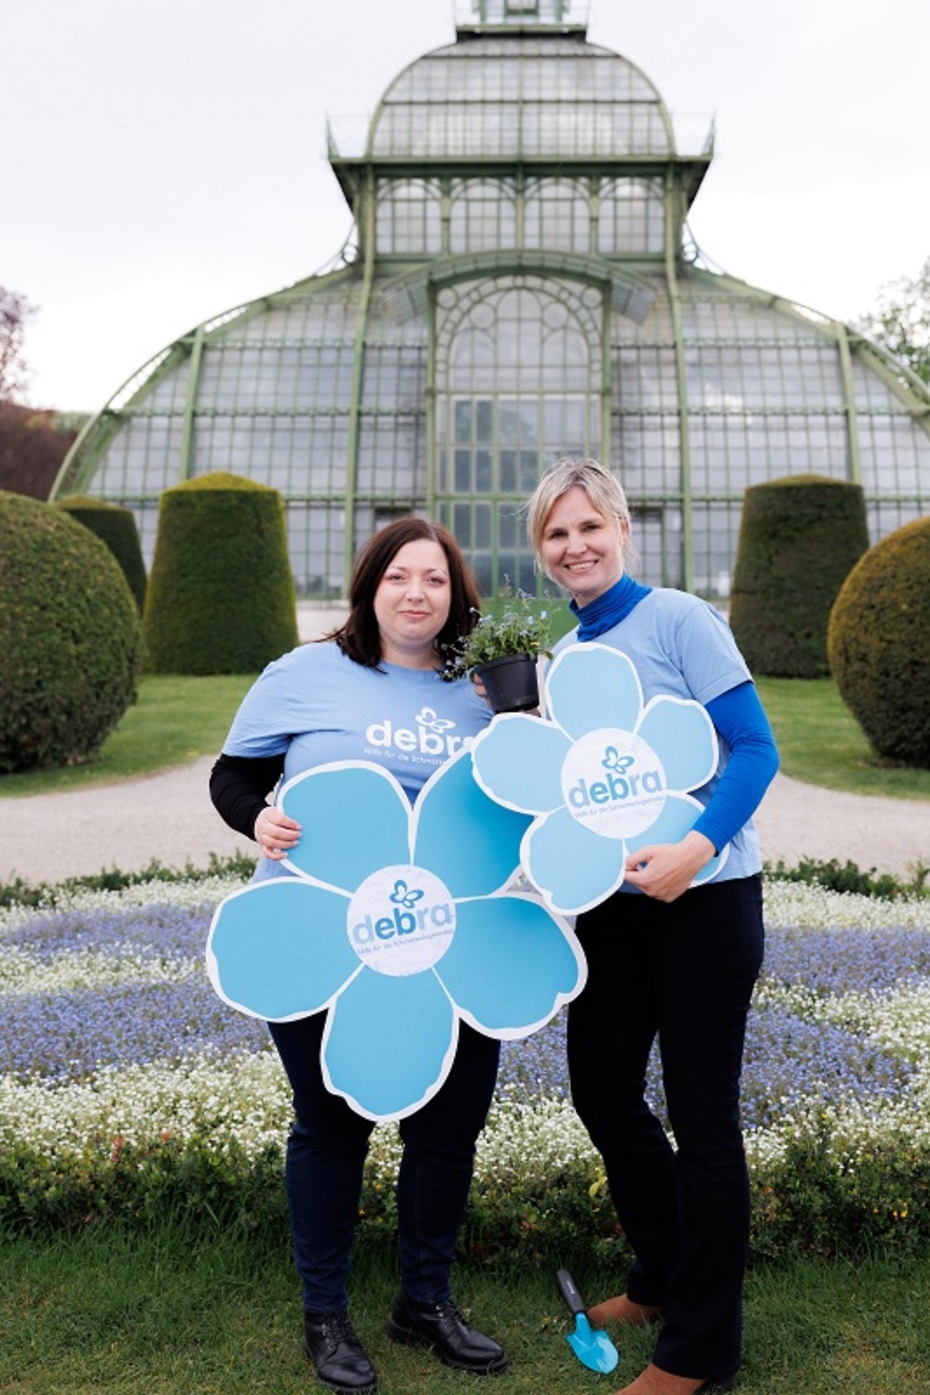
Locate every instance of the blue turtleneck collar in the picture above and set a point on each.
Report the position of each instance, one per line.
(608, 610)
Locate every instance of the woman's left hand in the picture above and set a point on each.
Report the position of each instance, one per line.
(275, 833)
(665, 870)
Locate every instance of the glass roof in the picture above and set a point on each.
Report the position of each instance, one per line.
(522, 286)
(512, 96)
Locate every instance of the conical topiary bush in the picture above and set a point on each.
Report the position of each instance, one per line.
(115, 526)
(799, 539)
(220, 596)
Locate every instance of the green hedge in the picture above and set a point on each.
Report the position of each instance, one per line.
(115, 526)
(799, 539)
(879, 645)
(69, 638)
(808, 1202)
(221, 594)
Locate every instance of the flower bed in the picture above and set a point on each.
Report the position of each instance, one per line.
(128, 1089)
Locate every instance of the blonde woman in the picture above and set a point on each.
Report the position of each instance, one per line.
(666, 960)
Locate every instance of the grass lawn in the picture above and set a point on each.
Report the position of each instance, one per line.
(174, 720)
(177, 719)
(821, 743)
(163, 1312)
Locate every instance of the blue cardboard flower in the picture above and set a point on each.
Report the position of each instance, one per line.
(395, 920)
(603, 773)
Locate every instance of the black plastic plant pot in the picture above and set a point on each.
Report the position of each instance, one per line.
(510, 682)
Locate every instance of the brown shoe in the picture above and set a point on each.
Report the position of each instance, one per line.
(623, 1309)
(655, 1381)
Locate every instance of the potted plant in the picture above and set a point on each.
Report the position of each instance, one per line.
(502, 651)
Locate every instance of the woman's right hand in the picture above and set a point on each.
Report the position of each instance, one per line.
(275, 833)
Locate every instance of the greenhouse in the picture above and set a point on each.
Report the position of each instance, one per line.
(520, 284)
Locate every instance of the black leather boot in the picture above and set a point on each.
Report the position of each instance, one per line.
(337, 1354)
(442, 1327)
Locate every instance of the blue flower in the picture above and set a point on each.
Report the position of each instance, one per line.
(604, 774)
(396, 922)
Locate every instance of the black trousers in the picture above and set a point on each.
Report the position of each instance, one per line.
(683, 972)
(326, 1152)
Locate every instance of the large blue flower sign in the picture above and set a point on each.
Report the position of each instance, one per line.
(603, 774)
(399, 924)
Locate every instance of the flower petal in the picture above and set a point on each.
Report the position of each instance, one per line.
(355, 819)
(279, 950)
(389, 1043)
(682, 735)
(590, 686)
(518, 760)
(680, 814)
(572, 868)
(511, 965)
(462, 836)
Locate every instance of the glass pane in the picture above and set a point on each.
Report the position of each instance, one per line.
(462, 483)
(482, 525)
(529, 471)
(463, 421)
(461, 524)
(508, 530)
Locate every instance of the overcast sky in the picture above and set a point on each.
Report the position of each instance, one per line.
(163, 161)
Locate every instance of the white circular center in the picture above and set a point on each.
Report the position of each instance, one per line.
(613, 783)
(401, 921)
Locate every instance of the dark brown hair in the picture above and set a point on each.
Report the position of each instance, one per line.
(360, 636)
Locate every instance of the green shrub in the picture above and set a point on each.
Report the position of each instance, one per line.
(221, 594)
(879, 644)
(116, 526)
(799, 539)
(69, 638)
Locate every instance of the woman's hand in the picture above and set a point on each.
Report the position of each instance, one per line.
(480, 689)
(665, 870)
(275, 833)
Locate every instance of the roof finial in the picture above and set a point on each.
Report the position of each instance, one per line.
(510, 14)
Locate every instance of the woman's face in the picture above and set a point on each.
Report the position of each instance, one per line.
(412, 604)
(581, 549)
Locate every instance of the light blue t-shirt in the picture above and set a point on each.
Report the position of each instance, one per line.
(316, 705)
(683, 647)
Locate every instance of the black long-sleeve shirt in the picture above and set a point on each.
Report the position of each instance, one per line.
(239, 788)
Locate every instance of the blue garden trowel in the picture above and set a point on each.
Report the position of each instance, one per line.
(594, 1349)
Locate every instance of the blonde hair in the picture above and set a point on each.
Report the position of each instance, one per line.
(603, 489)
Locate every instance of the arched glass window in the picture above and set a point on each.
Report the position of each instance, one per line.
(408, 217)
(631, 217)
(484, 215)
(518, 376)
(557, 214)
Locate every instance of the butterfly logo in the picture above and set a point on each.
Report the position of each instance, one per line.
(614, 761)
(402, 895)
(427, 718)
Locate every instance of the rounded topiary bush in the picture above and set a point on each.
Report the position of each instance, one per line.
(879, 644)
(69, 638)
(799, 539)
(116, 526)
(220, 596)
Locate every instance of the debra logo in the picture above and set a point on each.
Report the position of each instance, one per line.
(431, 736)
(401, 921)
(613, 783)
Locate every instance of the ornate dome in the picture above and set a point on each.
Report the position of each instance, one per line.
(525, 96)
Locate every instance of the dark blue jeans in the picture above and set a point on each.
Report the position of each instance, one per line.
(684, 972)
(326, 1152)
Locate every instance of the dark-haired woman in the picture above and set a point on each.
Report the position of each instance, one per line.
(357, 695)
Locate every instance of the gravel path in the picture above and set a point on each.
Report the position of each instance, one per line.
(170, 817)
